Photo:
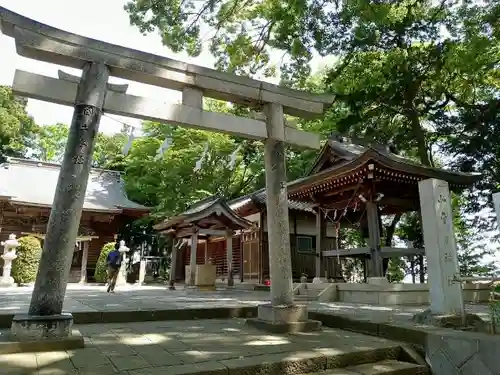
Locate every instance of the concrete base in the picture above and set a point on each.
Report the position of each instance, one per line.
(320, 280)
(75, 341)
(377, 281)
(6, 282)
(402, 294)
(283, 319)
(470, 322)
(41, 328)
(292, 327)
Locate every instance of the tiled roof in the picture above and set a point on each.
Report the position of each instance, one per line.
(34, 183)
(260, 196)
(213, 205)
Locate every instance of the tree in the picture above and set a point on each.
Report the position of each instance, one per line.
(108, 151)
(418, 74)
(100, 273)
(25, 266)
(472, 249)
(16, 126)
(51, 141)
(171, 182)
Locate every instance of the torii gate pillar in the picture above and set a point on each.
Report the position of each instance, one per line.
(45, 319)
(281, 315)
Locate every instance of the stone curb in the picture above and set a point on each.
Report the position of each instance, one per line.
(91, 317)
(280, 363)
(408, 335)
(75, 341)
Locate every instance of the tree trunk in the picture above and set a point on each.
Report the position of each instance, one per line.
(422, 269)
(419, 134)
(412, 269)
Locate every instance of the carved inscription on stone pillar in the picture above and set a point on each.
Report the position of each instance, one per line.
(85, 115)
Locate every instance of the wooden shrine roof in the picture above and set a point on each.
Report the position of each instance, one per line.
(343, 167)
(259, 198)
(33, 183)
(341, 164)
(211, 213)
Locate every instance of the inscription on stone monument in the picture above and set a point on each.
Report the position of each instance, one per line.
(85, 115)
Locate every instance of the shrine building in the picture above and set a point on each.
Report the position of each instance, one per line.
(351, 184)
(26, 196)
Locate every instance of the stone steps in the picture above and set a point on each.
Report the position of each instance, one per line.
(305, 294)
(386, 367)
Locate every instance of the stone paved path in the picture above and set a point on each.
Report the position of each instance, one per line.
(94, 298)
(155, 348)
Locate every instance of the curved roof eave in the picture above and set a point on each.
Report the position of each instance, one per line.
(211, 209)
(459, 178)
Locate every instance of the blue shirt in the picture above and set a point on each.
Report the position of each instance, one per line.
(114, 259)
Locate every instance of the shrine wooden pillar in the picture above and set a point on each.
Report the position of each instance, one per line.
(321, 243)
(376, 269)
(173, 266)
(192, 259)
(336, 262)
(229, 253)
(85, 256)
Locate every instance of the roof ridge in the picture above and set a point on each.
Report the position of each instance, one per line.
(33, 162)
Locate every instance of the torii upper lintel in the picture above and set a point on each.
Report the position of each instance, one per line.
(45, 43)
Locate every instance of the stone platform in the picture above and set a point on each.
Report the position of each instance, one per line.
(283, 319)
(211, 347)
(132, 304)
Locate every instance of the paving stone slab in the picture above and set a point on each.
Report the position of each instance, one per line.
(88, 358)
(18, 363)
(130, 362)
(75, 341)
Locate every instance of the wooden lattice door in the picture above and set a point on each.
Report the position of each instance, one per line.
(251, 256)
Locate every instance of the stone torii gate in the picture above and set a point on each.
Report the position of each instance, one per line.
(92, 94)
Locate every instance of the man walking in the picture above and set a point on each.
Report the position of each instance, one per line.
(114, 262)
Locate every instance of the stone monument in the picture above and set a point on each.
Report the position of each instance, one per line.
(8, 256)
(440, 249)
(496, 205)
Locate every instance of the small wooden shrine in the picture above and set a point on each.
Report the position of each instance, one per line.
(355, 182)
(26, 196)
(209, 221)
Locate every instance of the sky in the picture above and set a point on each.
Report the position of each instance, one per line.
(99, 19)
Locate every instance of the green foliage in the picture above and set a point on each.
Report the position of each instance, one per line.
(50, 143)
(422, 75)
(100, 273)
(494, 307)
(170, 183)
(25, 266)
(396, 270)
(16, 127)
(472, 249)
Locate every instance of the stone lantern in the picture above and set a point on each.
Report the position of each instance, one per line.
(9, 254)
(122, 274)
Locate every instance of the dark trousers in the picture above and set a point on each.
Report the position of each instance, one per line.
(112, 276)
